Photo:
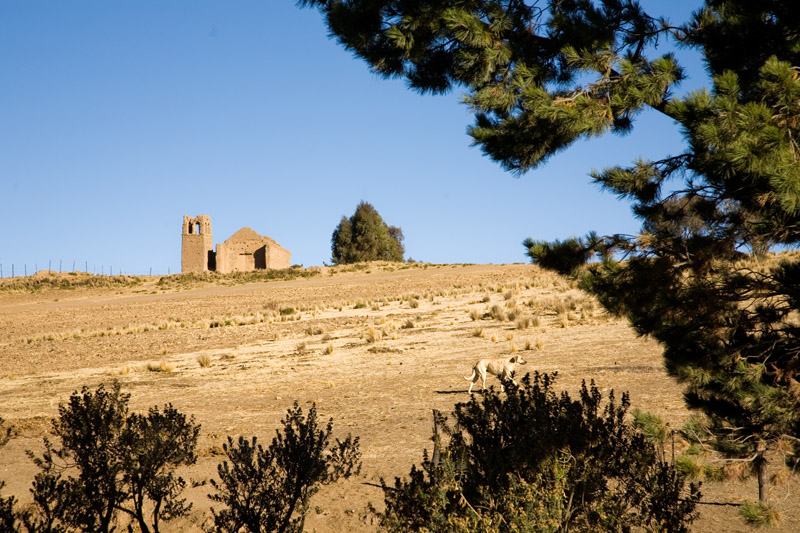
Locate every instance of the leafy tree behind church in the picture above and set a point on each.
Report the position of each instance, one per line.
(366, 237)
(542, 75)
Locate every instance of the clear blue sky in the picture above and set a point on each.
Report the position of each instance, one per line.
(118, 118)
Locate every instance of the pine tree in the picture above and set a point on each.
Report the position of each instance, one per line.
(340, 242)
(366, 237)
(541, 75)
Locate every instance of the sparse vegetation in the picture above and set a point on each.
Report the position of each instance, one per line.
(161, 366)
(66, 281)
(498, 313)
(548, 464)
(314, 330)
(760, 514)
(268, 489)
(192, 279)
(250, 355)
(373, 334)
(124, 465)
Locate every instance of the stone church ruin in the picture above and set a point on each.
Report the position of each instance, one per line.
(244, 250)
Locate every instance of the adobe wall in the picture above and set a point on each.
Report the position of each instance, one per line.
(197, 244)
(278, 257)
(245, 250)
(233, 257)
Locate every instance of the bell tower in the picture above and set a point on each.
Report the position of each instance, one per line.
(197, 250)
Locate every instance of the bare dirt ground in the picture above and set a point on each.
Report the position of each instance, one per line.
(375, 349)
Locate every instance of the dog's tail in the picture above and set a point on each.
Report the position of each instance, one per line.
(472, 376)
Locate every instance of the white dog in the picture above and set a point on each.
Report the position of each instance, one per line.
(502, 368)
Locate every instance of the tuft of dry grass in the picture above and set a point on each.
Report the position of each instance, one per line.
(498, 313)
(328, 349)
(160, 367)
(781, 477)
(524, 322)
(204, 361)
(478, 332)
(372, 335)
(314, 330)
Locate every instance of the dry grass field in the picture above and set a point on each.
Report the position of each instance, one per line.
(375, 348)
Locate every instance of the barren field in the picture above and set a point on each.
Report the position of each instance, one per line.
(376, 349)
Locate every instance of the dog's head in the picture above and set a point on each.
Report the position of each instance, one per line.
(518, 360)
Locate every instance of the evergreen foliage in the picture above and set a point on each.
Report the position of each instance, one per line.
(541, 75)
(539, 461)
(8, 515)
(366, 237)
(565, 256)
(123, 462)
(269, 489)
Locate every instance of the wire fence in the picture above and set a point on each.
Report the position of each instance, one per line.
(20, 270)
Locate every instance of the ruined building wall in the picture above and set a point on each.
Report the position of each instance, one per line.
(245, 250)
(197, 248)
(277, 256)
